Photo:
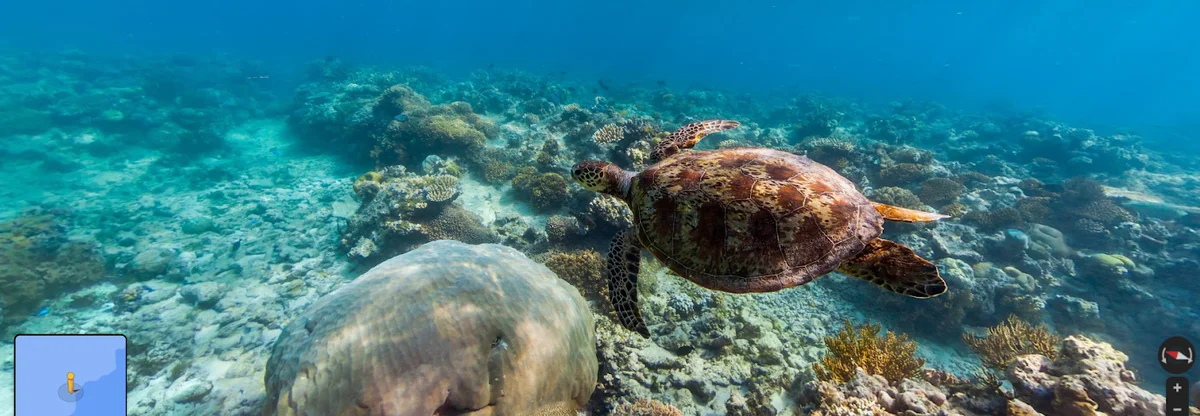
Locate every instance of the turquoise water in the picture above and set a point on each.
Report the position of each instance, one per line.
(200, 178)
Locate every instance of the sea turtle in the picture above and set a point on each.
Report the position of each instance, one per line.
(749, 220)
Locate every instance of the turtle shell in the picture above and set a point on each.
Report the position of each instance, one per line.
(750, 219)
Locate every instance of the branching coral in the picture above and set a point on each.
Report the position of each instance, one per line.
(834, 152)
(900, 197)
(1012, 338)
(938, 191)
(610, 133)
(891, 356)
(904, 173)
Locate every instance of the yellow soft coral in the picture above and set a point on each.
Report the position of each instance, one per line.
(890, 355)
(1010, 339)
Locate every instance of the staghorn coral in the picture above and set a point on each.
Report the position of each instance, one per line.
(1014, 337)
(645, 407)
(480, 328)
(939, 191)
(441, 188)
(900, 197)
(891, 356)
(610, 133)
(904, 174)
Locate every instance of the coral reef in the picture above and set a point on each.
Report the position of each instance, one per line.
(940, 191)
(513, 331)
(1014, 337)
(400, 210)
(889, 355)
(39, 262)
(546, 192)
(644, 407)
(1088, 377)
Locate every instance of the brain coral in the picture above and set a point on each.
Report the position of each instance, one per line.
(480, 330)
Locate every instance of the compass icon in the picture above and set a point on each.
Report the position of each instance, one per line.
(1176, 355)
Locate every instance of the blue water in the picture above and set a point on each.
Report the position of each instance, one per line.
(200, 203)
(1106, 64)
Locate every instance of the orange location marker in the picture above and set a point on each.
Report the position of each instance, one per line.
(71, 383)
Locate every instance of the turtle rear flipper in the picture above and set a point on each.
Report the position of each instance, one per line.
(687, 137)
(624, 262)
(893, 213)
(896, 268)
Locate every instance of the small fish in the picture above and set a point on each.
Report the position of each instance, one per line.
(661, 83)
(45, 311)
(259, 77)
(602, 85)
(402, 117)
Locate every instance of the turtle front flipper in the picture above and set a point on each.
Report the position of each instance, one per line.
(906, 215)
(624, 262)
(896, 268)
(687, 137)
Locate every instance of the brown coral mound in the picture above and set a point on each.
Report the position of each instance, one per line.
(938, 191)
(582, 269)
(447, 328)
(900, 197)
(890, 355)
(904, 174)
(1012, 338)
(456, 223)
(38, 261)
(546, 192)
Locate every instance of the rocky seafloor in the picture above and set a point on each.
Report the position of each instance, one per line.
(194, 208)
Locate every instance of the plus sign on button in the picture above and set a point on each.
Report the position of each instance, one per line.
(1177, 396)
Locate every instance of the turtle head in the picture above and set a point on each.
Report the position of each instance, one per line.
(602, 177)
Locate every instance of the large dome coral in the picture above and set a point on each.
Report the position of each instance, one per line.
(448, 327)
